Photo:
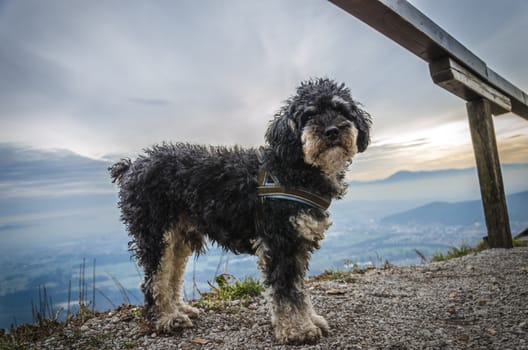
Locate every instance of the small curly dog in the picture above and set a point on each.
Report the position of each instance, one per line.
(270, 202)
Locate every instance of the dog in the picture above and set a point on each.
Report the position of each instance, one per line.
(270, 202)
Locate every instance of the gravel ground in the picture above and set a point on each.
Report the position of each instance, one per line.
(475, 302)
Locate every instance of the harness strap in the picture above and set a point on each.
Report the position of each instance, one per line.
(270, 187)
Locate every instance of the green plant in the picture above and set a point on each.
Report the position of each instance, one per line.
(137, 311)
(452, 253)
(464, 249)
(422, 256)
(248, 287)
(229, 288)
(129, 344)
(349, 268)
(334, 274)
(352, 267)
(517, 242)
(46, 317)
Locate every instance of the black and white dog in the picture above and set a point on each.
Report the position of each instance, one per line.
(269, 202)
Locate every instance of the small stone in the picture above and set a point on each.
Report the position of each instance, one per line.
(334, 291)
(483, 301)
(49, 340)
(200, 341)
(425, 333)
(463, 337)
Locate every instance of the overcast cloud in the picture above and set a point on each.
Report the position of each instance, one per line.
(112, 77)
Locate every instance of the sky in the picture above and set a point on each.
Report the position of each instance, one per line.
(108, 78)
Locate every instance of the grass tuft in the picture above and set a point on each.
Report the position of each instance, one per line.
(464, 249)
(349, 269)
(229, 288)
(452, 253)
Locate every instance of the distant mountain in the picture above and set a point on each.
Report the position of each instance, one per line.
(448, 185)
(458, 213)
(408, 175)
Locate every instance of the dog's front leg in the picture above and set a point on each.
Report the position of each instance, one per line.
(292, 314)
(295, 321)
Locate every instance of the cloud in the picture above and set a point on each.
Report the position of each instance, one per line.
(447, 145)
(223, 68)
(101, 78)
(150, 101)
(34, 164)
(26, 172)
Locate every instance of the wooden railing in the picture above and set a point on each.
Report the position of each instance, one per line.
(459, 71)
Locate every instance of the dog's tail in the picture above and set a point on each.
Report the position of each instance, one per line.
(119, 169)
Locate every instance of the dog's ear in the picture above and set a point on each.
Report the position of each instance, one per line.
(363, 122)
(352, 110)
(282, 135)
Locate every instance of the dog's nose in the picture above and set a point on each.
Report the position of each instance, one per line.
(331, 133)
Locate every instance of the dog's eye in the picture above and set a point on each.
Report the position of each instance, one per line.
(343, 125)
(307, 116)
(341, 121)
(343, 109)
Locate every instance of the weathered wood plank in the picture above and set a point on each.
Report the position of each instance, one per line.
(406, 25)
(489, 173)
(519, 99)
(410, 28)
(458, 80)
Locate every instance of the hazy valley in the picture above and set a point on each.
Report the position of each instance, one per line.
(57, 208)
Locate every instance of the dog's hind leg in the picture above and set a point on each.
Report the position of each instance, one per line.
(184, 250)
(171, 311)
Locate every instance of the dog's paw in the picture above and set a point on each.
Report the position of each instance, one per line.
(308, 333)
(166, 323)
(320, 322)
(190, 311)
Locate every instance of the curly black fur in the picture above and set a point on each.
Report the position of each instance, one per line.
(216, 189)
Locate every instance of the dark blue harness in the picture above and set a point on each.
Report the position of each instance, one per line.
(269, 187)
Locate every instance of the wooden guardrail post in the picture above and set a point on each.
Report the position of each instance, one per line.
(489, 173)
(461, 72)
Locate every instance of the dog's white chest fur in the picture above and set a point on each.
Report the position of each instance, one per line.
(310, 228)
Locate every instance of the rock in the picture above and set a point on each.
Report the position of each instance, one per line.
(334, 291)
(200, 341)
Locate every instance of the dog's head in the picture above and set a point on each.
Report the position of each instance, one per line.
(322, 125)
